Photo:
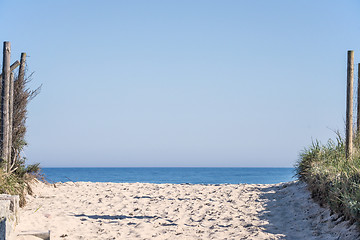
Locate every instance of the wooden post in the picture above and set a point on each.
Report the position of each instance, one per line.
(349, 104)
(4, 138)
(22, 67)
(12, 68)
(358, 106)
(11, 114)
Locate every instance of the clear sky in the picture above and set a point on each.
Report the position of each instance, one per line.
(182, 83)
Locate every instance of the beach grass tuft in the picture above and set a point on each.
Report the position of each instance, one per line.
(19, 181)
(333, 180)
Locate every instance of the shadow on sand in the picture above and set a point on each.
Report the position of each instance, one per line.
(290, 213)
(116, 217)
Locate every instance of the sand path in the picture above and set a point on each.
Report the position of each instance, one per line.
(171, 211)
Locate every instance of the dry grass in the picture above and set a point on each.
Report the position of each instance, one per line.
(17, 184)
(17, 180)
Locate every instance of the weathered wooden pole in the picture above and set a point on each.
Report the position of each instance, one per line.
(11, 114)
(358, 106)
(4, 137)
(22, 67)
(349, 104)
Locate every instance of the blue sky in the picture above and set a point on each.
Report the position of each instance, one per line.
(182, 83)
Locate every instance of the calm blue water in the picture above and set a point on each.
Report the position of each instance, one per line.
(171, 175)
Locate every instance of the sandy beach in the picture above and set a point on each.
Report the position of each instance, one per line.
(85, 210)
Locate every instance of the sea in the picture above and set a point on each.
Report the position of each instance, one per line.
(177, 175)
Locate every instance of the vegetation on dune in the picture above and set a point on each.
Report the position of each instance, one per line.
(16, 181)
(332, 171)
(333, 180)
